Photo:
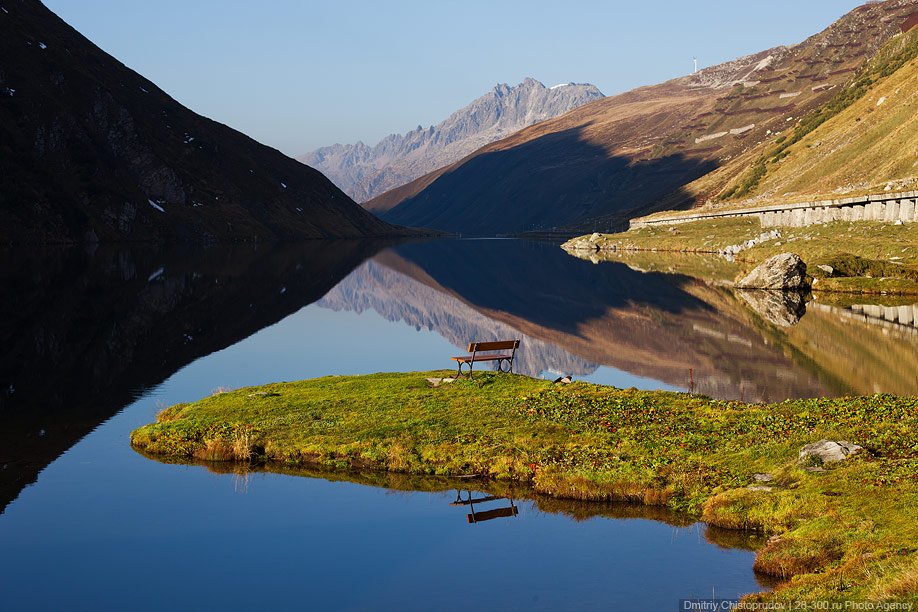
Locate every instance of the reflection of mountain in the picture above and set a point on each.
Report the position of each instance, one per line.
(653, 325)
(857, 349)
(385, 285)
(89, 329)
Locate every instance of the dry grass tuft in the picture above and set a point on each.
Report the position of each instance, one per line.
(788, 557)
(242, 443)
(215, 449)
(902, 586)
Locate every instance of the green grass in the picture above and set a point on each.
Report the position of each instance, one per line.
(849, 532)
(869, 257)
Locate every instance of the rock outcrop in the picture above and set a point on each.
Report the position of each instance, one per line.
(828, 451)
(590, 244)
(784, 272)
(364, 172)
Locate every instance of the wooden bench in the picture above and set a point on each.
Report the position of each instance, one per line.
(486, 351)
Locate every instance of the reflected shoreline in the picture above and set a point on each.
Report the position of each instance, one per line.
(487, 490)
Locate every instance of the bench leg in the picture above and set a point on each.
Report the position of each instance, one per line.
(469, 364)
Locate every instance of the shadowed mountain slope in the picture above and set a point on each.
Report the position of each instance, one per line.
(365, 172)
(633, 153)
(90, 150)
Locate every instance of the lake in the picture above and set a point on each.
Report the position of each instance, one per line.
(98, 340)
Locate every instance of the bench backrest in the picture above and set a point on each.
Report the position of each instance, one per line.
(477, 347)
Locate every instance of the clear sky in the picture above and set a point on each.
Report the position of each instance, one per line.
(299, 74)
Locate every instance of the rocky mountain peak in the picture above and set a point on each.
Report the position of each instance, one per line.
(364, 172)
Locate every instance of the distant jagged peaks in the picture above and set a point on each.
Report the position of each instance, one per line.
(648, 149)
(364, 172)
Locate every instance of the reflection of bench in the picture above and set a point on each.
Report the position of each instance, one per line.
(484, 515)
(487, 351)
(487, 515)
(468, 502)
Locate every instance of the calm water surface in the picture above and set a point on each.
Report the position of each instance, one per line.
(98, 342)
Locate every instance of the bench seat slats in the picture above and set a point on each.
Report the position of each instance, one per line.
(469, 359)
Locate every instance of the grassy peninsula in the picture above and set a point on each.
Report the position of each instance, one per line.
(841, 531)
(865, 257)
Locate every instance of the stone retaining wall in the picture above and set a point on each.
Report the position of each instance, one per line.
(889, 207)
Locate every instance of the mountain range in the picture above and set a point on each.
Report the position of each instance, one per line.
(637, 152)
(364, 172)
(92, 151)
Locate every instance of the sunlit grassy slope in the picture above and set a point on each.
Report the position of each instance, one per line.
(861, 141)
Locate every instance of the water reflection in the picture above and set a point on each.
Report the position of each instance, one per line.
(780, 308)
(476, 492)
(852, 344)
(866, 348)
(329, 544)
(480, 515)
(662, 328)
(87, 332)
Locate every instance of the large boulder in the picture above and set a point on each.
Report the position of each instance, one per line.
(782, 272)
(828, 451)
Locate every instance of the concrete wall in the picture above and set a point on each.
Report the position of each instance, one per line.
(889, 207)
(901, 319)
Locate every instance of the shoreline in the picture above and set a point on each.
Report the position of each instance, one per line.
(585, 254)
(867, 258)
(723, 462)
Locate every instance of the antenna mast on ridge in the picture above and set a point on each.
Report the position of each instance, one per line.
(695, 60)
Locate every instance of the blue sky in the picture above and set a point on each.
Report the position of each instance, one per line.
(299, 74)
